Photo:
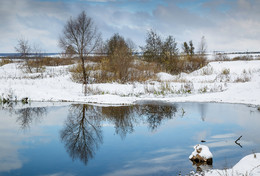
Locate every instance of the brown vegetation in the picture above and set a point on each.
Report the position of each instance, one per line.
(5, 61)
(102, 72)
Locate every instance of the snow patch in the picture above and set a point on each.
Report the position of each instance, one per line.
(201, 150)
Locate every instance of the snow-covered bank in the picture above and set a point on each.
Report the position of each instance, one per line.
(229, 82)
(249, 165)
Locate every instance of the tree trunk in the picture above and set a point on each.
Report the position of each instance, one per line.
(84, 75)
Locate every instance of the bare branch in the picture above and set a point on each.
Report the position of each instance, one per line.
(80, 37)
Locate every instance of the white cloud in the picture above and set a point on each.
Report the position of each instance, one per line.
(227, 25)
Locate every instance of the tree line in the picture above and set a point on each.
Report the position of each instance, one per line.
(80, 37)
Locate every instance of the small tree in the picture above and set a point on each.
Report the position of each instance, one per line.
(191, 48)
(170, 46)
(23, 47)
(120, 57)
(188, 49)
(152, 49)
(202, 48)
(37, 63)
(80, 36)
(170, 54)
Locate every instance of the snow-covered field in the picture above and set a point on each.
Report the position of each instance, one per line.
(229, 82)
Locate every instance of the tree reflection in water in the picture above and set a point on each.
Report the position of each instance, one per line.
(156, 113)
(82, 133)
(27, 115)
(122, 117)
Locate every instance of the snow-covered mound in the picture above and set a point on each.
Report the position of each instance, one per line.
(201, 153)
(249, 165)
(230, 82)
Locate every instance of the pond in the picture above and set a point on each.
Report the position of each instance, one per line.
(149, 138)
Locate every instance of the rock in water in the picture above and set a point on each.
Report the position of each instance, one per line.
(201, 154)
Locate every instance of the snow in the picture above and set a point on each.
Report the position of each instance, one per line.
(165, 76)
(205, 152)
(208, 84)
(249, 165)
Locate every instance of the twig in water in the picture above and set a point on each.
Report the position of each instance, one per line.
(183, 112)
(237, 142)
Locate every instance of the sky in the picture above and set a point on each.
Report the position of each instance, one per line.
(227, 25)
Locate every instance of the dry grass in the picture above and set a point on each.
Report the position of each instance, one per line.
(186, 64)
(142, 71)
(38, 64)
(225, 71)
(51, 61)
(5, 61)
(126, 69)
(104, 71)
(245, 58)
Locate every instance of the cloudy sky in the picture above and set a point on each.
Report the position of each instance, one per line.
(228, 25)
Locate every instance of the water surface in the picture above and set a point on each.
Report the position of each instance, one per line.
(151, 138)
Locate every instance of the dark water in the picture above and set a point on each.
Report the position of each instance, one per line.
(17, 54)
(151, 138)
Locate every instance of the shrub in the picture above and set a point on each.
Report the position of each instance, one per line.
(77, 74)
(221, 57)
(243, 78)
(187, 88)
(38, 64)
(5, 61)
(120, 58)
(246, 57)
(225, 71)
(51, 61)
(207, 70)
(189, 64)
(142, 71)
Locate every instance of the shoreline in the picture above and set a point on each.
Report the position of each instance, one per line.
(134, 101)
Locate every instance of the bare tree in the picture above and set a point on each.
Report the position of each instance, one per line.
(38, 58)
(23, 47)
(81, 36)
(202, 49)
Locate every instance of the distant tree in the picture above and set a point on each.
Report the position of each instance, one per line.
(120, 57)
(202, 48)
(169, 56)
(80, 35)
(152, 49)
(188, 49)
(115, 42)
(69, 52)
(191, 48)
(23, 47)
(170, 46)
